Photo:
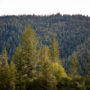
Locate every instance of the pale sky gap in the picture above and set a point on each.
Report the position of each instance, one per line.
(44, 7)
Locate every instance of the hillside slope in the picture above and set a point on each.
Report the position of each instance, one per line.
(72, 32)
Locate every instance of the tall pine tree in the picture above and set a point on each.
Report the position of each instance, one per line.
(28, 52)
(75, 67)
(54, 50)
(4, 72)
(13, 75)
(57, 68)
(46, 72)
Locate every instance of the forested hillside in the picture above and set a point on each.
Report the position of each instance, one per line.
(37, 67)
(72, 33)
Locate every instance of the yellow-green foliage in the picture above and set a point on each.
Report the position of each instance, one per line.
(54, 50)
(45, 63)
(46, 71)
(26, 54)
(74, 68)
(58, 71)
(44, 53)
(13, 74)
(4, 72)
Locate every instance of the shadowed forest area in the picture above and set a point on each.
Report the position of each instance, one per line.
(39, 67)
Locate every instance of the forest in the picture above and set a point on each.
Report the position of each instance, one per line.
(37, 67)
(45, 52)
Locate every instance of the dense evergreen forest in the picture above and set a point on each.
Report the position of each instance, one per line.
(72, 33)
(39, 67)
(45, 52)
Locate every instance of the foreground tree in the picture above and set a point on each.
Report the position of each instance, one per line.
(74, 68)
(19, 62)
(57, 68)
(4, 72)
(26, 55)
(87, 79)
(46, 72)
(58, 71)
(88, 66)
(13, 75)
(54, 50)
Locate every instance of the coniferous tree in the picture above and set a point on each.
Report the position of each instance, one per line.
(54, 50)
(28, 52)
(58, 71)
(19, 62)
(29, 44)
(57, 68)
(87, 79)
(46, 71)
(4, 72)
(88, 66)
(75, 67)
(13, 75)
(44, 56)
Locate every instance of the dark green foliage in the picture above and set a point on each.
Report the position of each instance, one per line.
(82, 52)
(87, 82)
(39, 84)
(88, 66)
(87, 79)
(74, 84)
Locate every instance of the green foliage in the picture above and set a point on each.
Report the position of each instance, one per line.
(13, 75)
(74, 68)
(58, 71)
(54, 50)
(46, 73)
(4, 72)
(19, 62)
(87, 82)
(38, 68)
(39, 84)
(73, 34)
(26, 55)
(88, 66)
(57, 68)
(74, 84)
